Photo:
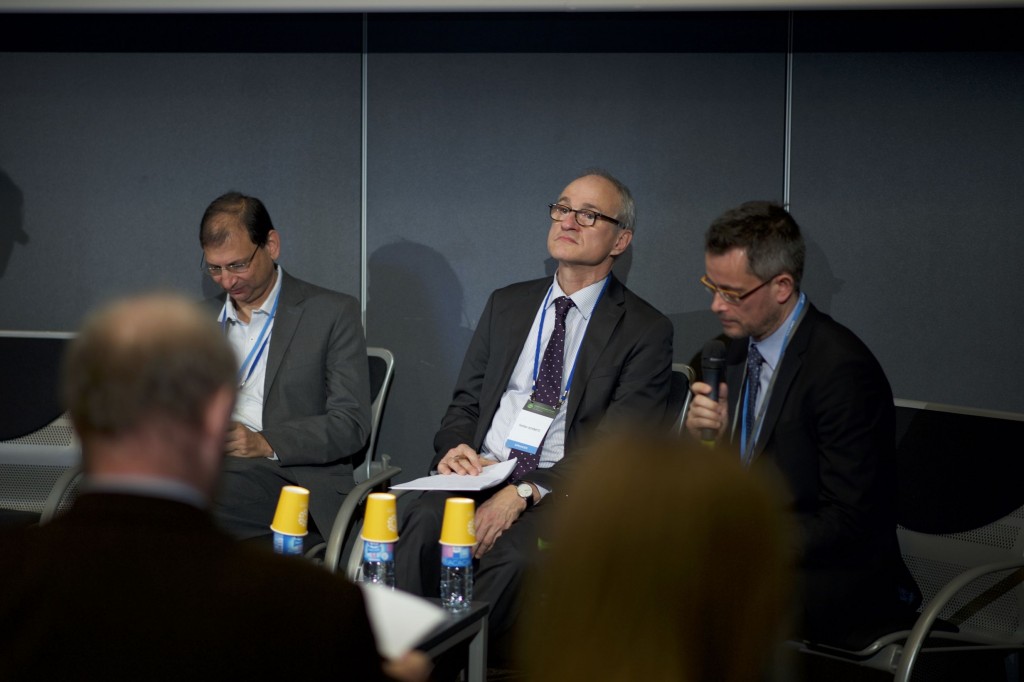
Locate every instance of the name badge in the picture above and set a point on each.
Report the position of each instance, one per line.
(531, 426)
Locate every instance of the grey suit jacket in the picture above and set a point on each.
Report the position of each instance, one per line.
(622, 373)
(316, 400)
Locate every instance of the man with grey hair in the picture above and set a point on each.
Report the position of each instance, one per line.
(135, 580)
(579, 355)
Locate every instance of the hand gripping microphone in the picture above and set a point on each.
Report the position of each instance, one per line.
(712, 363)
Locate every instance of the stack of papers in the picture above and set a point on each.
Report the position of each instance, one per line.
(491, 476)
(399, 620)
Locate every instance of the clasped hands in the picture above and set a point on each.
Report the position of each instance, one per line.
(498, 513)
(240, 441)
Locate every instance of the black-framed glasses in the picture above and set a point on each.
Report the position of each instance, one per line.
(585, 217)
(728, 295)
(236, 268)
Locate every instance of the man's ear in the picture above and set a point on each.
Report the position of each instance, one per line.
(622, 241)
(784, 287)
(216, 416)
(273, 244)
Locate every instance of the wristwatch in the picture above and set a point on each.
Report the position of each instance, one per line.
(525, 491)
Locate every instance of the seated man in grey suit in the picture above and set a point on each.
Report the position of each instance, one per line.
(135, 581)
(303, 410)
(581, 353)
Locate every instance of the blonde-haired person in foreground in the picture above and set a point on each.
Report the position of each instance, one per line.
(135, 581)
(668, 562)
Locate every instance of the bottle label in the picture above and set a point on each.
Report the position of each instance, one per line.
(456, 556)
(378, 551)
(288, 544)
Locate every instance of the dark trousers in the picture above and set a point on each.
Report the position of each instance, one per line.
(247, 496)
(498, 575)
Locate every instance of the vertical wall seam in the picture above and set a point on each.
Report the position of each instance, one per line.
(364, 98)
(789, 114)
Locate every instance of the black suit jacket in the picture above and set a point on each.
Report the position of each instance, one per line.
(829, 430)
(622, 373)
(132, 587)
(316, 401)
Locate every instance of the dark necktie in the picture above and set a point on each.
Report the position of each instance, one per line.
(754, 360)
(548, 386)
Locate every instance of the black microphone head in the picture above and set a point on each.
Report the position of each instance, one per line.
(713, 356)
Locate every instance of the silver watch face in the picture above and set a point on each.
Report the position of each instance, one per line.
(524, 490)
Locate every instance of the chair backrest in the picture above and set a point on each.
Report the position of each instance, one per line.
(37, 441)
(382, 369)
(679, 395)
(962, 506)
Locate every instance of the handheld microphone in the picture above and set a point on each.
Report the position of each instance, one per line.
(712, 362)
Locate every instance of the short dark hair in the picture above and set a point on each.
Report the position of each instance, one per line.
(768, 234)
(155, 357)
(249, 211)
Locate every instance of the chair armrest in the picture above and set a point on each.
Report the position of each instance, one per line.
(60, 487)
(358, 495)
(924, 622)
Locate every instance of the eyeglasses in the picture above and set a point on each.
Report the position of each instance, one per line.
(585, 217)
(234, 268)
(729, 296)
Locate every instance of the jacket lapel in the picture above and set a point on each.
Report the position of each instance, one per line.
(786, 373)
(286, 321)
(605, 319)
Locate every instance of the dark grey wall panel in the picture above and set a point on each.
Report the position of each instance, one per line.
(907, 173)
(466, 150)
(108, 160)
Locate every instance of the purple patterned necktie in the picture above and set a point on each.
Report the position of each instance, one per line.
(548, 387)
(754, 360)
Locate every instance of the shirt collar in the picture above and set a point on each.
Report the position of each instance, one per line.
(585, 299)
(231, 314)
(145, 486)
(770, 347)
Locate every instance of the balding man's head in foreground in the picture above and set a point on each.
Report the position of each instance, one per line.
(149, 383)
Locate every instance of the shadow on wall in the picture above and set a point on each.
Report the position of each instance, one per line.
(415, 308)
(820, 283)
(11, 220)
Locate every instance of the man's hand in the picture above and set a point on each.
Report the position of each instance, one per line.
(242, 442)
(705, 413)
(462, 460)
(413, 666)
(494, 517)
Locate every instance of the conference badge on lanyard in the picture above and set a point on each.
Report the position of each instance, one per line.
(531, 426)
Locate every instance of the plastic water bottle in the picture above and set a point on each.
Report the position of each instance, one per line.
(379, 563)
(289, 545)
(456, 577)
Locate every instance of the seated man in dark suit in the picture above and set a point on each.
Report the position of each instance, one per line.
(303, 410)
(804, 397)
(135, 581)
(582, 344)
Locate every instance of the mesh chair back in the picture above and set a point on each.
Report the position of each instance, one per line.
(990, 607)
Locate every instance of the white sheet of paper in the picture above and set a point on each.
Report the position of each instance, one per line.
(399, 620)
(491, 476)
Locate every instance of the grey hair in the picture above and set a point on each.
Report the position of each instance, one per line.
(627, 207)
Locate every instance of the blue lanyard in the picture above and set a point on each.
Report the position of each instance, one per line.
(258, 347)
(540, 330)
(759, 418)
